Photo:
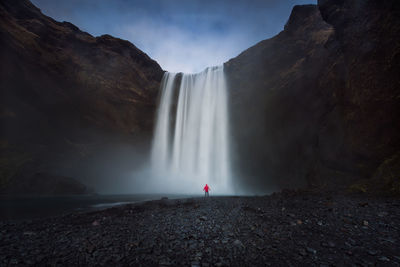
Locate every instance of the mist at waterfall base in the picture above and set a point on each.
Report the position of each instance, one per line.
(191, 142)
(191, 145)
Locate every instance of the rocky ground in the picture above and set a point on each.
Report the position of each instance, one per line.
(285, 229)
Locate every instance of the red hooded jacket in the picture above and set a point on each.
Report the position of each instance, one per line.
(206, 188)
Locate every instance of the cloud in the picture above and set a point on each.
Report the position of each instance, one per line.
(180, 35)
(179, 50)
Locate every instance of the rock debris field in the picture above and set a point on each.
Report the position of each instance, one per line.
(284, 229)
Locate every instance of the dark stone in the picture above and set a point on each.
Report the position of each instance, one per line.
(311, 250)
(73, 240)
(341, 59)
(67, 98)
(372, 252)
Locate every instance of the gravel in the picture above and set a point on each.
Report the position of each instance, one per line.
(284, 229)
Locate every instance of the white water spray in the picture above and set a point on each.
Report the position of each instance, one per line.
(191, 143)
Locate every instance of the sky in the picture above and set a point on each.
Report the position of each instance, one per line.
(181, 35)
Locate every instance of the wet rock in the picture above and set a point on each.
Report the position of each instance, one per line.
(352, 242)
(311, 250)
(260, 233)
(165, 262)
(238, 243)
(158, 236)
(302, 252)
(382, 214)
(384, 259)
(328, 244)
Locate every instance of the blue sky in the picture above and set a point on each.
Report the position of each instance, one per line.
(185, 36)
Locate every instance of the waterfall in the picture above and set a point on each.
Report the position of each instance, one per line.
(191, 141)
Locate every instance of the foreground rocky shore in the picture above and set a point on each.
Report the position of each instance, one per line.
(284, 229)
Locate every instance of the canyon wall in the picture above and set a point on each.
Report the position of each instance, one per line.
(67, 96)
(315, 106)
(318, 104)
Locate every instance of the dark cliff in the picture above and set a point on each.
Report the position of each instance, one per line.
(65, 93)
(318, 104)
(367, 34)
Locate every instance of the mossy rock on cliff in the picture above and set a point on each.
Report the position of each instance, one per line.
(386, 179)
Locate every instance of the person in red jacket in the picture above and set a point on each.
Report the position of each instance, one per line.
(206, 189)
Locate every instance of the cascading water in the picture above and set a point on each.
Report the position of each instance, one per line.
(191, 142)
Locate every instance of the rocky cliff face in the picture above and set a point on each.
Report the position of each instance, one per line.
(367, 34)
(65, 93)
(318, 104)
